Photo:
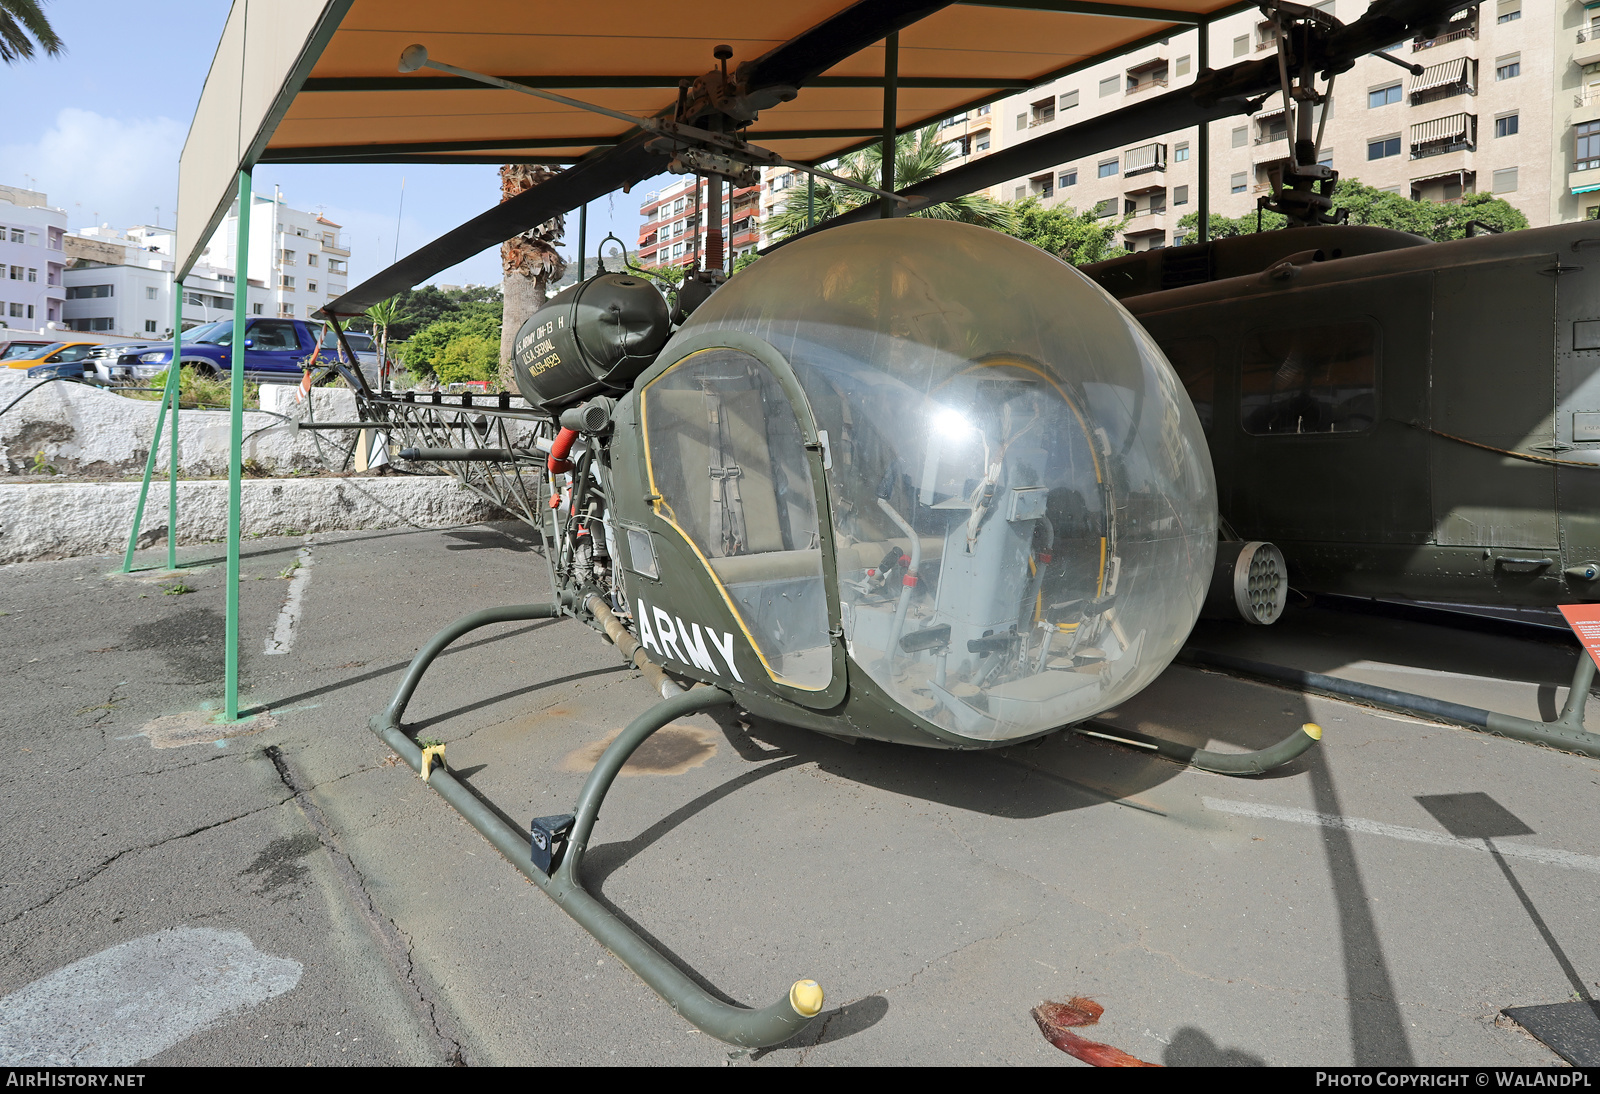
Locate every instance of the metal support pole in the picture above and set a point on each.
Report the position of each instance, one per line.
(236, 366)
(175, 384)
(891, 84)
(1202, 144)
(583, 236)
(149, 469)
(811, 201)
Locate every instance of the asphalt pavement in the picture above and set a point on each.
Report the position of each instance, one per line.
(281, 891)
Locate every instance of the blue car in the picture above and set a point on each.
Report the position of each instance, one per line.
(274, 350)
(62, 370)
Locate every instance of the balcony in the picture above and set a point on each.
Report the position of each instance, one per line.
(1464, 25)
(1586, 105)
(1584, 179)
(331, 249)
(1455, 133)
(1146, 157)
(1136, 88)
(1587, 51)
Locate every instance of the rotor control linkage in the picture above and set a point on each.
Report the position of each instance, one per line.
(1258, 762)
(555, 867)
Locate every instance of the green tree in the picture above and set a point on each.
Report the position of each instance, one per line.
(1435, 220)
(917, 157)
(1078, 238)
(381, 316)
(417, 308)
(22, 22)
(455, 348)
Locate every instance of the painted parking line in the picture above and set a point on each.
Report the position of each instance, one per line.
(1548, 856)
(132, 1001)
(283, 633)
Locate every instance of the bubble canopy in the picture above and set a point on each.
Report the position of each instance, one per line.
(1023, 506)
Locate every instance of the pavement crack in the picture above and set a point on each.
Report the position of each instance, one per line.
(394, 943)
(87, 875)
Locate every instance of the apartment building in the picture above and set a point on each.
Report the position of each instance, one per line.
(299, 258)
(32, 295)
(1508, 102)
(674, 223)
(120, 283)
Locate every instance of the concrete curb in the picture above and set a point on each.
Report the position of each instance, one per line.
(41, 521)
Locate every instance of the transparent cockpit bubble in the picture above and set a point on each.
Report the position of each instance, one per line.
(1022, 499)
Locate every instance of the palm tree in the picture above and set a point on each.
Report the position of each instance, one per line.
(19, 19)
(528, 262)
(381, 315)
(917, 156)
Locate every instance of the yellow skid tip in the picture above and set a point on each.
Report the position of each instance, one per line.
(1313, 731)
(806, 998)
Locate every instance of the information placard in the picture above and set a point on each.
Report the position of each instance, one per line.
(1584, 619)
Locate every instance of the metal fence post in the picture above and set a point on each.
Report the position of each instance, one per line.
(236, 367)
(175, 386)
(149, 469)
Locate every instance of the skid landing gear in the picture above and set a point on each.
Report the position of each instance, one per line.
(562, 883)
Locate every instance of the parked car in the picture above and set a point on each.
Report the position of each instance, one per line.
(17, 348)
(274, 351)
(55, 353)
(61, 370)
(102, 359)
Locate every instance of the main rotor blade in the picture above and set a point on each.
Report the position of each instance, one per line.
(592, 177)
(1163, 114)
(852, 30)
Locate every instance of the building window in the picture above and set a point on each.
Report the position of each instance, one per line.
(1020, 193)
(1022, 121)
(1383, 96)
(1587, 150)
(33, 239)
(149, 326)
(1508, 67)
(982, 110)
(286, 282)
(1180, 152)
(1236, 183)
(1110, 86)
(311, 286)
(1107, 168)
(1240, 135)
(30, 311)
(1180, 195)
(1181, 66)
(1069, 178)
(311, 260)
(1320, 379)
(1505, 180)
(1069, 100)
(33, 274)
(151, 292)
(85, 292)
(1506, 126)
(1383, 148)
(287, 258)
(1106, 208)
(16, 311)
(980, 141)
(17, 235)
(256, 309)
(1509, 11)
(1043, 186)
(16, 275)
(1241, 45)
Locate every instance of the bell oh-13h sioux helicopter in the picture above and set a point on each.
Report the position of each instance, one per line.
(905, 480)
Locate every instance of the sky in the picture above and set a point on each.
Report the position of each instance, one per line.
(100, 127)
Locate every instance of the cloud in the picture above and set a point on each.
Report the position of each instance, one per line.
(89, 164)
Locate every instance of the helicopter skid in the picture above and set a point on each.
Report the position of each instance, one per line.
(735, 1025)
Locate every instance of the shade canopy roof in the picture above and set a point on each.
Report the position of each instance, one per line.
(317, 81)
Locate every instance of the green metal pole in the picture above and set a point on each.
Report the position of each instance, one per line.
(891, 87)
(149, 469)
(174, 386)
(1202, 144)
(235, 448)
